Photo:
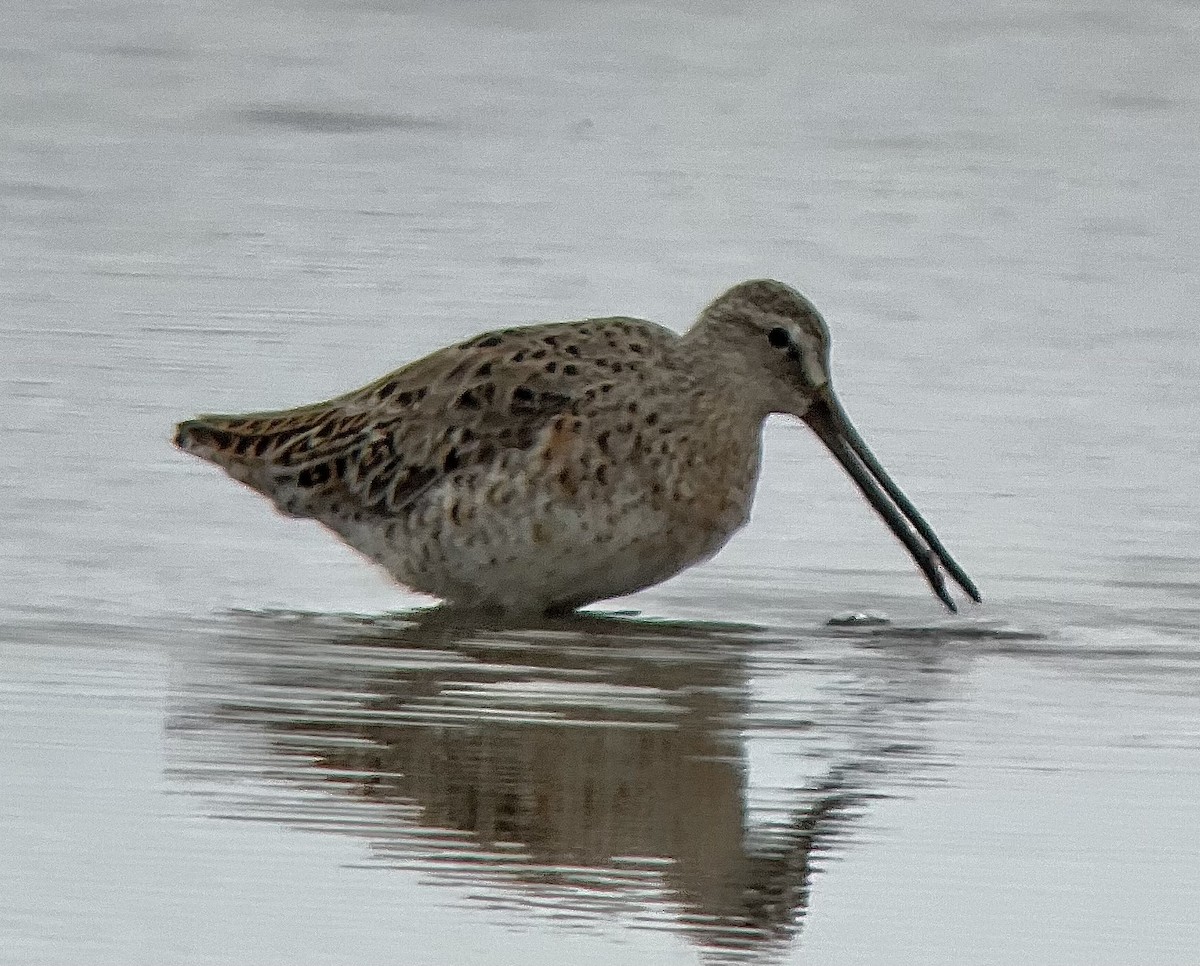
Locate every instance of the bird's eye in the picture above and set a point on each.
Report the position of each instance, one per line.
(779, 338)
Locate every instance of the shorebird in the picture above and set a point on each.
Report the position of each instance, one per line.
(541, 468)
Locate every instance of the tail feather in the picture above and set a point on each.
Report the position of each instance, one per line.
(322, 461)
(220, 439)
(243, 446)
(288, 457)
(202, 435)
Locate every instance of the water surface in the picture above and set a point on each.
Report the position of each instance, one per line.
(229, 740)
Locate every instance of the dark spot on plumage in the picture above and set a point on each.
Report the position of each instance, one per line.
(625, 428)
(572, 350)
(305, 478)
(552, 366)
(602, 474)
(466, 434)
(539, 354)
(386, 444)
(651, 419)
(320, 474)
(455, 508)
(409, 483)
(511, 437)
(219, 437)
(488, 389)
(485, 452)
(484, 370)
(370, 460)
(633, 407)
(242, 445)
(489, 342)
(261, 447)
(386, 390)
(636, 348)
(405, 398)
(339, 467)
(422, 393)
(570, 370)
(607, 387)
(378, 485)
(451, 461)
(577, 425)
(518, 356)
(523, 394)
(656, 488)
(564, 479)
(551, 340)
(602, 441)
(468, 400)
(616, 366)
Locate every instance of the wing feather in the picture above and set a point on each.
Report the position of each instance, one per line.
(381, 448)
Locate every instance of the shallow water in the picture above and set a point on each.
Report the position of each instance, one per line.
(213, 756)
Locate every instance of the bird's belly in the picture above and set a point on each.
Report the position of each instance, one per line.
(549, 556)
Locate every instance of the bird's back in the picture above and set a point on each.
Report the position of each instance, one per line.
(376, 449)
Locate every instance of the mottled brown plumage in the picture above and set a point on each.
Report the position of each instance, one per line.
(544, 467)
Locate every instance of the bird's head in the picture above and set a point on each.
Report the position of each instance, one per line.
(774, 345)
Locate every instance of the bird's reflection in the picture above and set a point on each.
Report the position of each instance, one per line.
(586, 767)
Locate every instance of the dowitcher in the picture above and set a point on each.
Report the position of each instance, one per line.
(538, 469)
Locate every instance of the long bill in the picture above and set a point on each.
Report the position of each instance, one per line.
(829, 421)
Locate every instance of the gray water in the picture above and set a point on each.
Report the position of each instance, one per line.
(229, 740)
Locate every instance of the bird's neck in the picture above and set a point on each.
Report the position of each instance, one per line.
(716, 367)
